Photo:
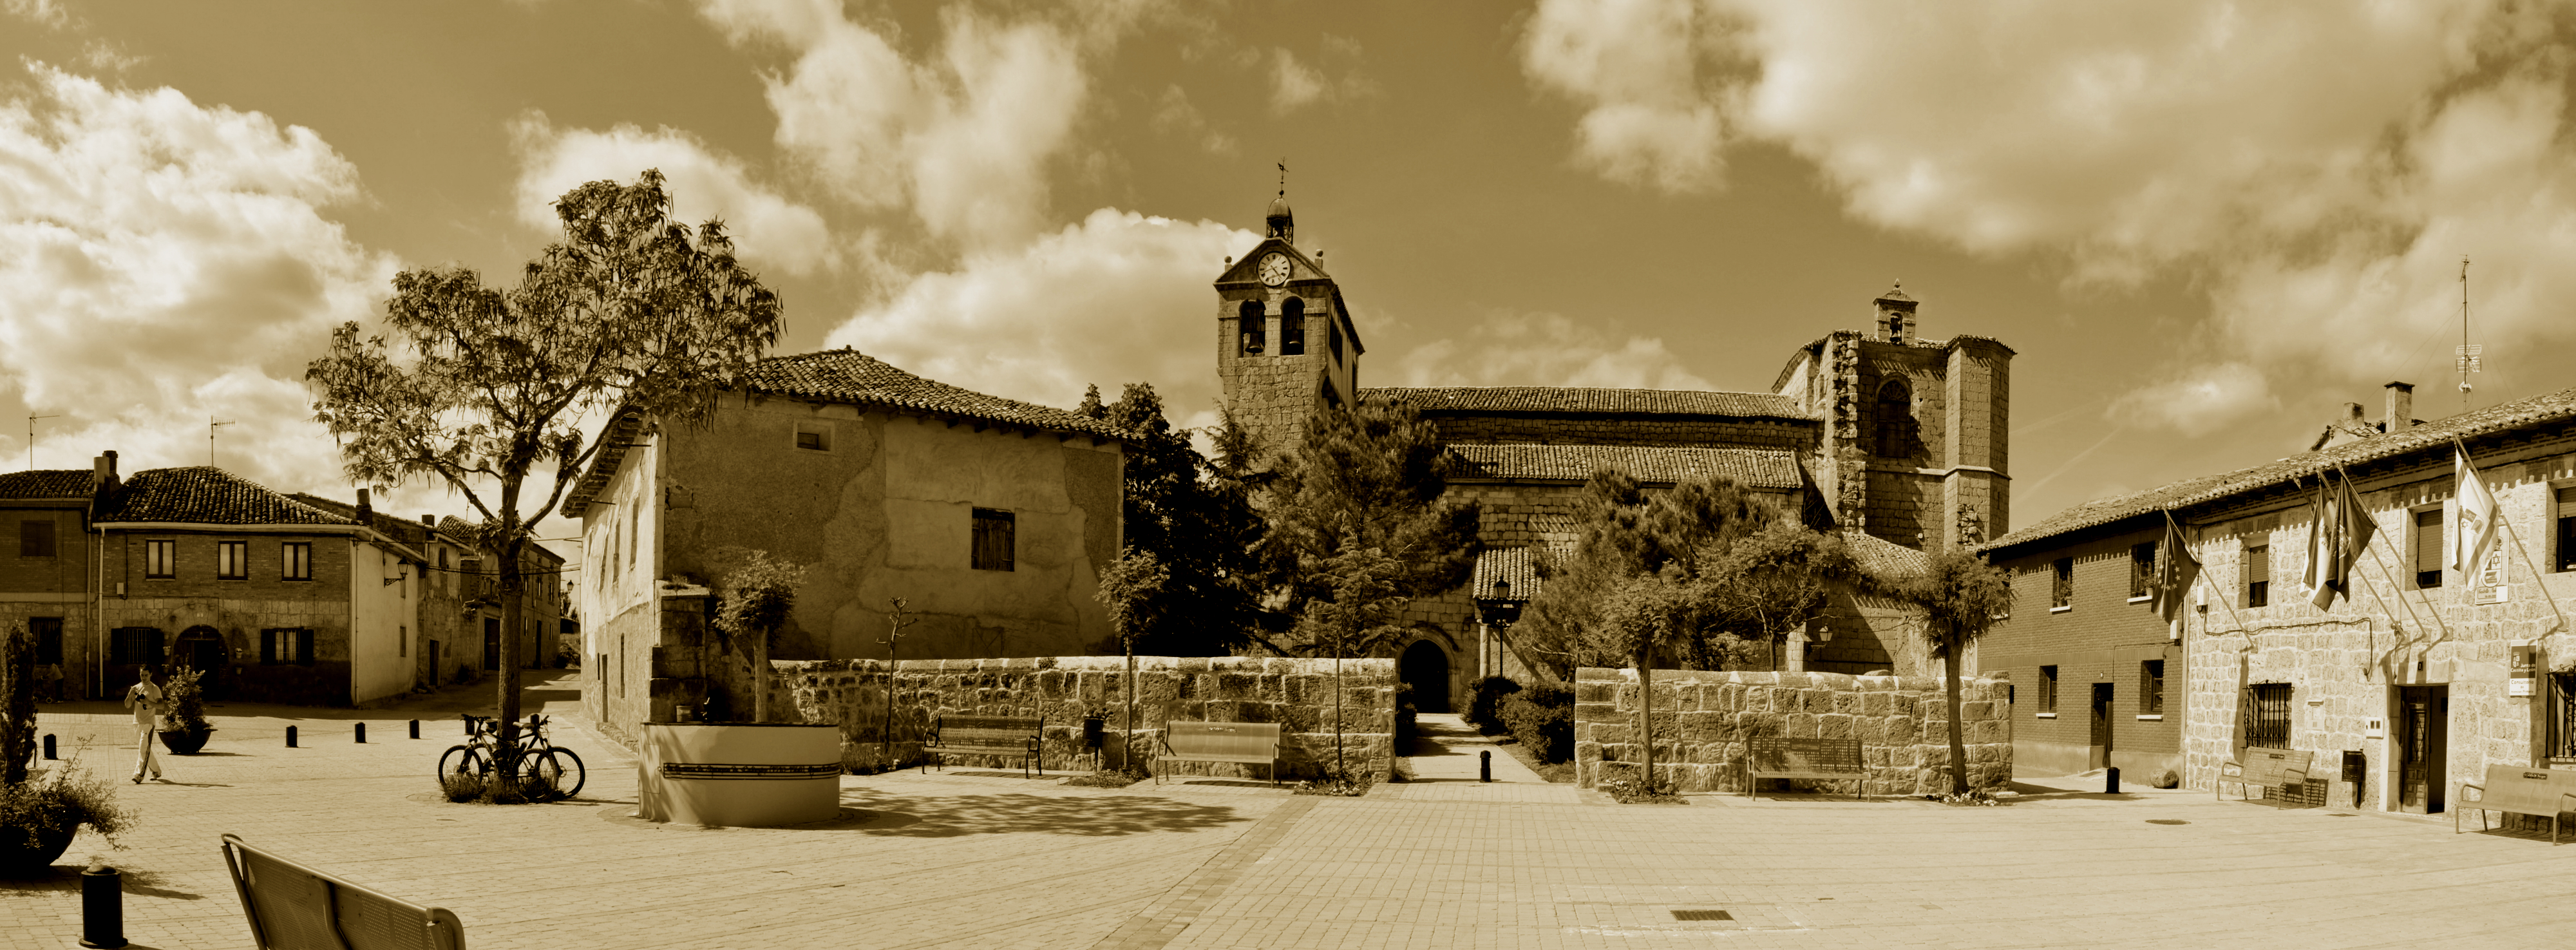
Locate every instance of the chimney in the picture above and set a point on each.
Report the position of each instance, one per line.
(366, 512)
(429, 521)
(2401, 408)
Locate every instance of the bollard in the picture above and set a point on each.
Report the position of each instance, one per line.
(2111, 781)
(415, 728)
(102, 907)
(1485, 766)
(362, 733)
(290, 737)
(49, 747)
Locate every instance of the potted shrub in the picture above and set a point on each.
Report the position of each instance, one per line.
(184, 696)
(745, 774)
(39, 817)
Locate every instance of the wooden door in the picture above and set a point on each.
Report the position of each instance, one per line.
(2101, 752)
(491, 643)
(2423, 726)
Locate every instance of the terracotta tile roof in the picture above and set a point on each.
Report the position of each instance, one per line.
(1505, 564)
(203, 494)
(1759, 468)
(849, 376)
(1885, 559)
(405, 530)
(46, 483)
(2434, 436)
(1561, 399)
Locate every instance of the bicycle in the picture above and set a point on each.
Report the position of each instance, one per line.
(548, 773)
(556, 762)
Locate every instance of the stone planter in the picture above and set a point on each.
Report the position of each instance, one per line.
(749, 775)
(185, 741)
(19, 860)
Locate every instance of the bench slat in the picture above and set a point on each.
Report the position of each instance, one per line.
(1815, 760)
(1246, 743)
(292, 907)
(2269, 768)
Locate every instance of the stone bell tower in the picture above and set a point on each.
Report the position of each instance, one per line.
(1286, 348)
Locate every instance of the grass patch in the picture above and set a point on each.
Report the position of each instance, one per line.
(1106, 778)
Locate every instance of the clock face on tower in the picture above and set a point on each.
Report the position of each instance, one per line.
(1274, 269)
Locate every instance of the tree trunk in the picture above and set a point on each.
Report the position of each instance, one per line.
(1646, 714)
(1127, 749)
(760, 677)
(17, 704)
(1958, 746)
(514, 598)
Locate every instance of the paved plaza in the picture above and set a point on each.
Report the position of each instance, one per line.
(972, 860)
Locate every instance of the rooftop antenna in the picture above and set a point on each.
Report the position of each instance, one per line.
(2466, 357)
(211, 424)
(31, 439)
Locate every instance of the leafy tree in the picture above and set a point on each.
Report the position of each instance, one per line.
(17, 704)
(1196, 522)
(1364, 593)
(1625, 533)
(1367, 479)
(1961, 595)
(1130, 589)
(755, 593)
(484, 387)
(1643, 614)
(1764, 585)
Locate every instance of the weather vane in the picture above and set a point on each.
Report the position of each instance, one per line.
(1283, 178)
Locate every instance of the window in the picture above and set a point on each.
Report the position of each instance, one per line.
(442, 557)
(128, 646)
(2267, 716)
(402, 641)
(2258, 575)
(2428, 548)
(295, 561)
(2061, 585)
(285, 645)
(2142, 570)
(1292, 327)
(2151, 688)
(49, 638)
(2048, 690)
(1252, 320)
(232, 560)
(471, 570)
(2566, 515)
(2562, 718)
(993, 530)
(1895, 419)
(36, 537)
(814, 436)
(160, 558)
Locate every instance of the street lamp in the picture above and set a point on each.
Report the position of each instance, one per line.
(1499, 612)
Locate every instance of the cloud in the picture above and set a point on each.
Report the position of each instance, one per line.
(162, 263)
(704, 183)
(1545, 349)
(1118, 298)
(962, 136)
(1295, 85)
(108, 56)
(2314, 170)
(51, 14)
(1174, 115)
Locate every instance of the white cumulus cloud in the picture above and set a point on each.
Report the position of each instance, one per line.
(768, 228)
(1545, 349)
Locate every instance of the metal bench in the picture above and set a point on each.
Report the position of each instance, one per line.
(1817, 760)
(2519, 791)
(1245, 742)
(293, 907)
(2269, 768)
(1003, 736)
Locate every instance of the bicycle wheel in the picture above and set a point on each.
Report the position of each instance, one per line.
(571, 774)
(541, 777)
(464, 760)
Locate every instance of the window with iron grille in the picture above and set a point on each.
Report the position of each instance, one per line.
(2048, 689)
(2267, 716)
(2142, 569)
(993, 539)
(2151, 687)
(2428, 548)
(286, 645)
(160, 559)
(2061, 586)
(2258, 575)
(295, 561)
(36, 537)
(232, 560)
(2562, 722)
(2565, 513)
(49, 638)
(127, 646)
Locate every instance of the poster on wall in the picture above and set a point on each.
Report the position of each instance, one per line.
(2522, 670)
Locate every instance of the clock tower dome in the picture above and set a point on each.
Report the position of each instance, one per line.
(1286, 348)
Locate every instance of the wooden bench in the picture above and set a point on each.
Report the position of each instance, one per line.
(1818, 760)
(293, 907)
(1004, 736)
(2268, 768)
(1246, 742)
(2519, 791)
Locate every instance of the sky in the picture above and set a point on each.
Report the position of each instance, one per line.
(2202, 225)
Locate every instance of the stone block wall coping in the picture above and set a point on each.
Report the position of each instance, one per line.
(1155, 664)
(1835, 681)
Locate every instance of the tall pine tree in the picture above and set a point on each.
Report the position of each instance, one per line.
(1369, 478)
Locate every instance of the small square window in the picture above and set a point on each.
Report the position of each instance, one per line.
(36, 537)
(160, 559)
(295, 561)
(286, 645)
(814, 436)
(232, 560)
(994, 532)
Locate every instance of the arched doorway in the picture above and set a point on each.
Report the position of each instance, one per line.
(200, 648)
(1425, 668)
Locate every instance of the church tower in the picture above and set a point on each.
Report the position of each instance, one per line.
(1285, 345)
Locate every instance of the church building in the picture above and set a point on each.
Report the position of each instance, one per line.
(1899, 439)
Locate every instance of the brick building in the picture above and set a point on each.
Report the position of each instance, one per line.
(1899, 441)
(2415, 673)
(456, 637)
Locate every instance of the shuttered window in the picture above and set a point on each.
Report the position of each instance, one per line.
(2428, 548)
(132, 645)
(993, 539)
(286, 645)
(36, 537)
(2142, 569)
(2258, 575)
(2061, 583)
(2566, 516)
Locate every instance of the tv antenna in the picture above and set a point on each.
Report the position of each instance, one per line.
(31, 439)
(212, 424)
(2466, 358)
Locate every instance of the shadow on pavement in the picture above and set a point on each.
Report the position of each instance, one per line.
(67, 877)
(959, 815)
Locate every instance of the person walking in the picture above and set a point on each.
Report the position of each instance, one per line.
(145, 699)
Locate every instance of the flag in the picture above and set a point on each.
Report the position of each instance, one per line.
(2476, 532)
(2176, 569)
(2336, 539)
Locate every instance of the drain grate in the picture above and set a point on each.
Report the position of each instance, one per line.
(1702, 915)
(2167, 821)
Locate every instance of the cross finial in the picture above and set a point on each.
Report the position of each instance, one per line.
(1283, 178)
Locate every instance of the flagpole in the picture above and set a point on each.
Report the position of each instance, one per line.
(2397, 637)
(2429, 606)
(2518, 548)
(2223, 600)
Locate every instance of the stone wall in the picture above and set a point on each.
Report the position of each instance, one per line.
(1702, 720)
(1569, 428)
(1296, 693)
